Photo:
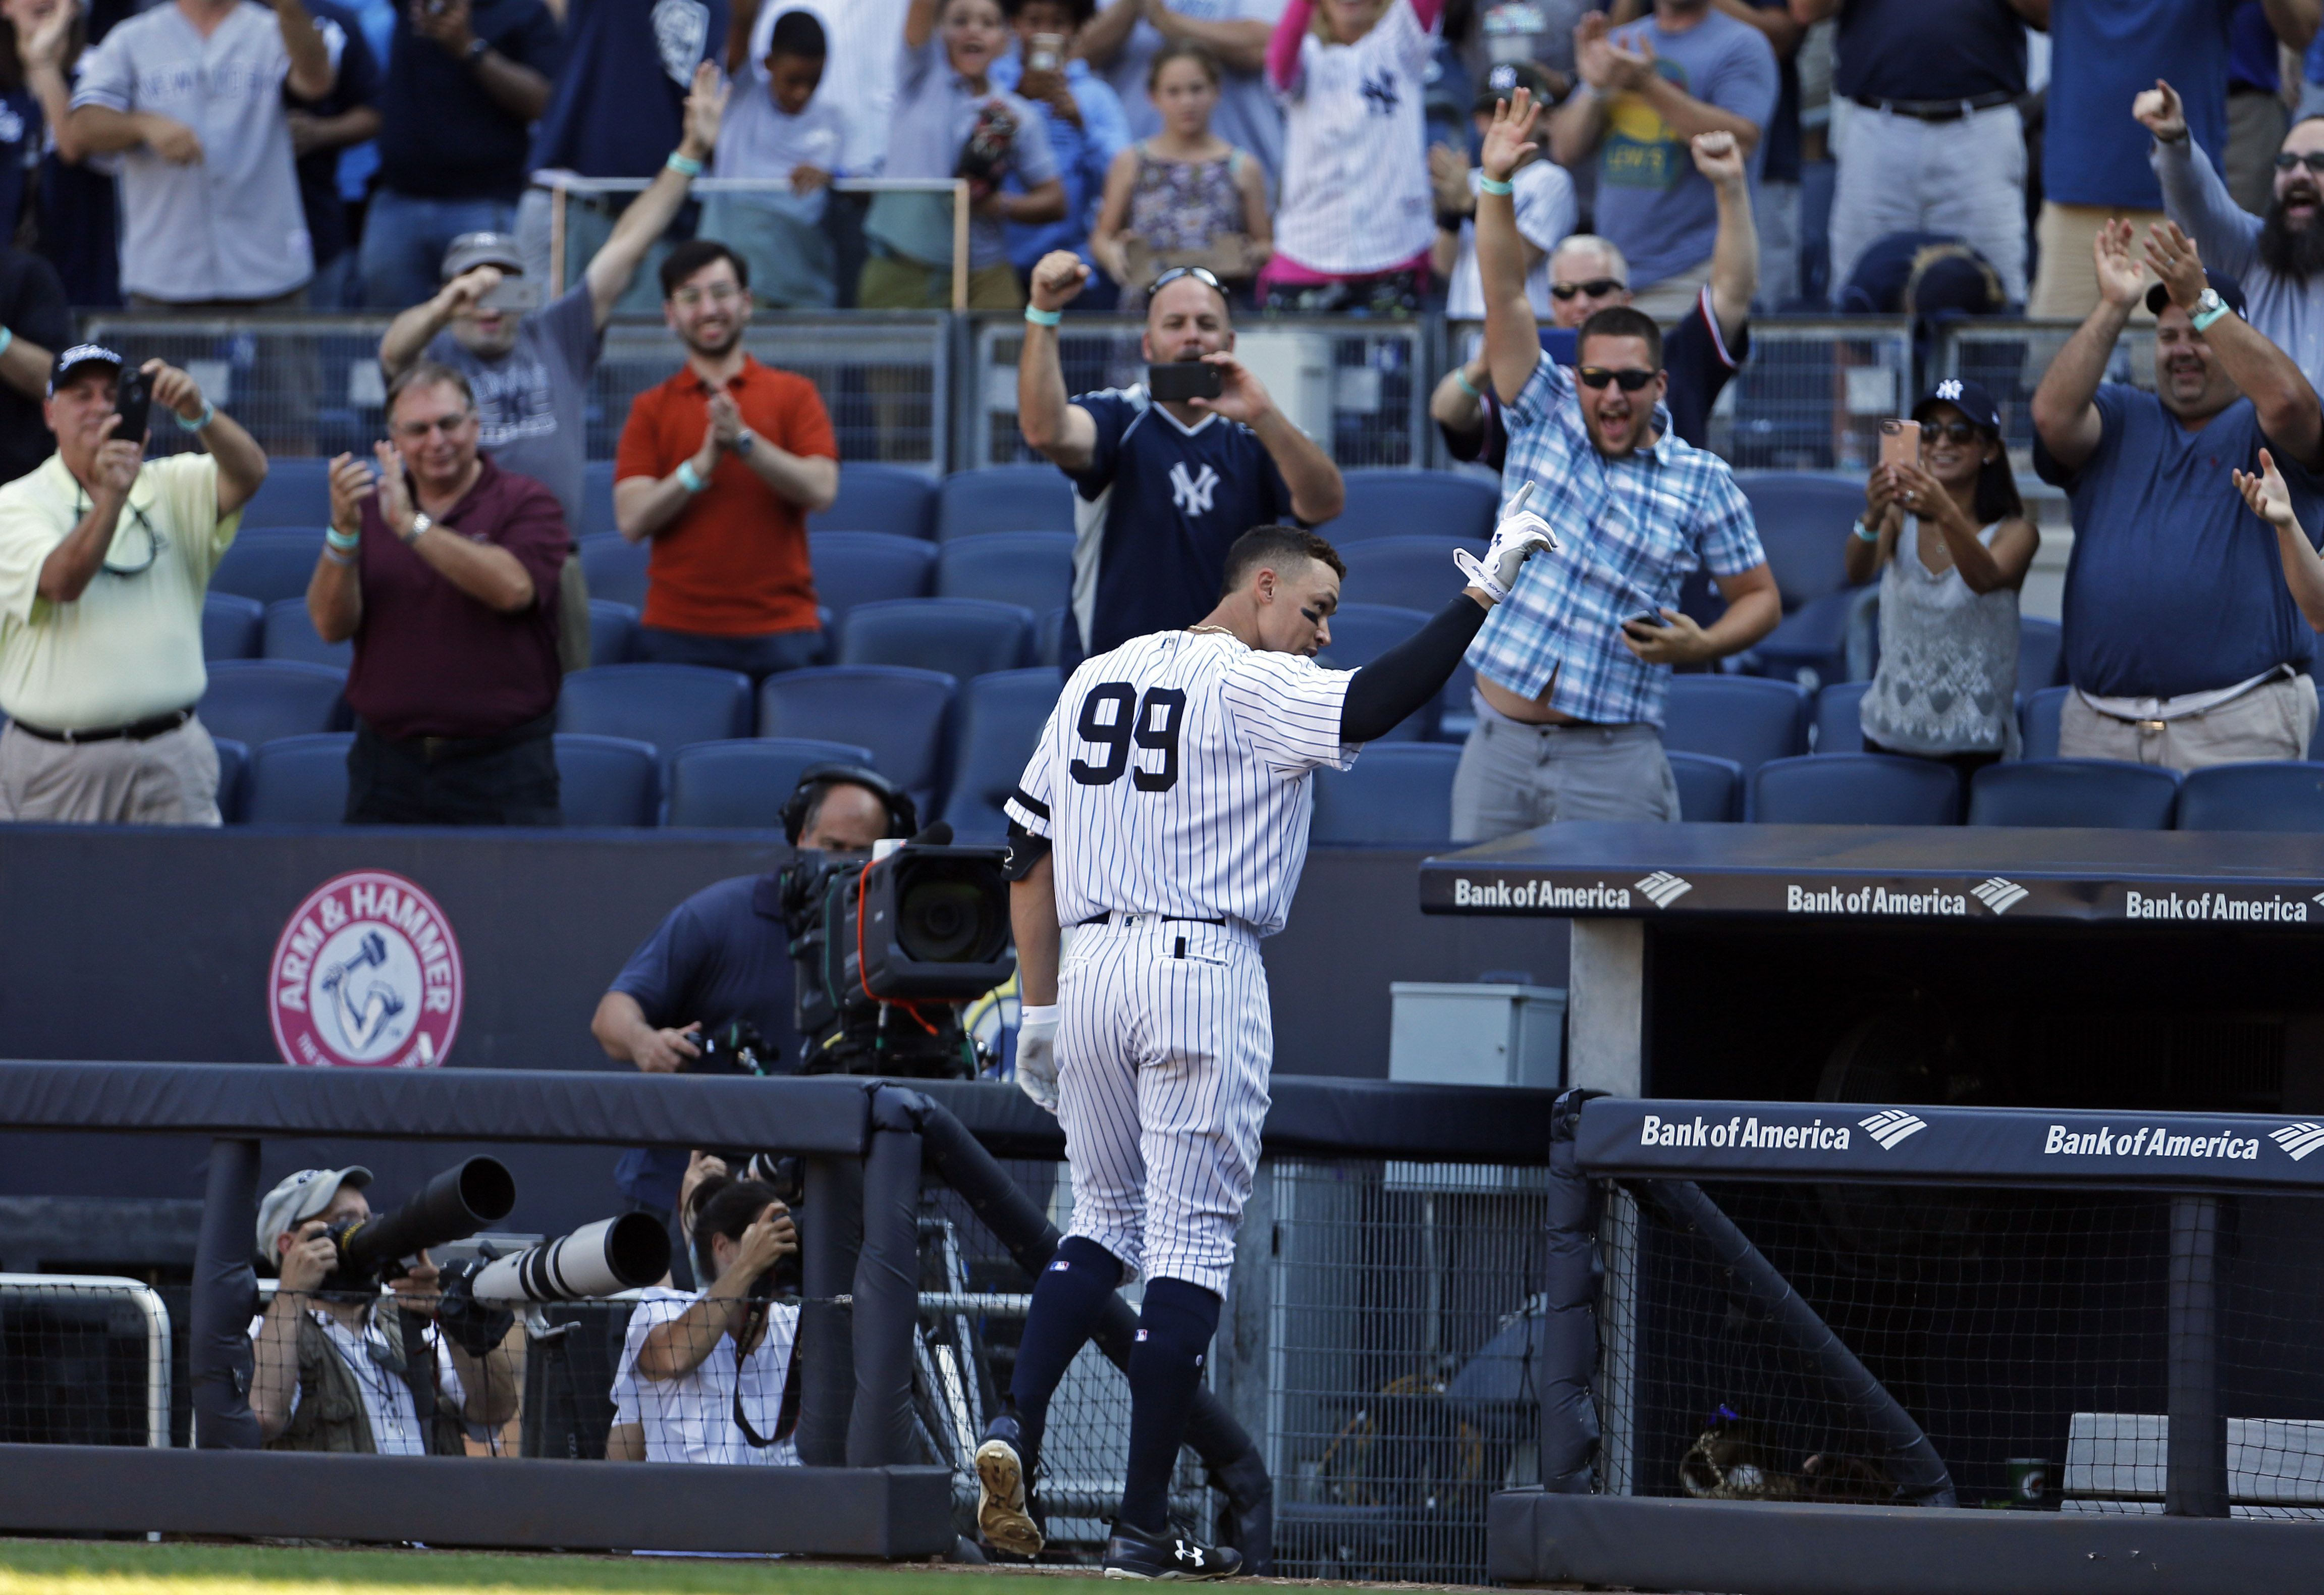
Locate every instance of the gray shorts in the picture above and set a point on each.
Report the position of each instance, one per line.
(1514, 776)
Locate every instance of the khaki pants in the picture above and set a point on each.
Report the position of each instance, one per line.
(889, 283)
(1672, 299)
(2270, 721)
(2255, 129)
(2068, 286)
(171, 779)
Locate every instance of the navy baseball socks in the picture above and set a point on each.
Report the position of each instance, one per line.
(1166, 1369)
(1067, 1300)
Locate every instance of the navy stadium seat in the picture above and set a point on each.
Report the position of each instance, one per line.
(1456, 705)
(2041, 655)
(1398, 795)
(1032, 569)
(2037, 721)
(615, 569)
(297, 492)
(1049, 639)
(962, 637)
(1803, 518)
(853, 567)
(608, 781)
(297, 780)
(1001, 498)
(1000, 718)
(2287, 796)
(893, 499)
(256, 701)
(234, 758)
(1408, 572)
(1416, 503)
(1709, 789)
(233, 627)
(1746, 718)
(743, 786)
(596, 501)
(269, 566)
(1361, 633)
(1855, 789)
(1838, 727)
(613, 633)
(667, 705)
(903, 715)
(2097, 793)
(290, 634)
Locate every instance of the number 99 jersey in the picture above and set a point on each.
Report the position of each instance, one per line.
(1172, 779)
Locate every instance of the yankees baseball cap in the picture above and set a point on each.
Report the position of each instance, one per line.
(79, 355)
(299, 1198)
(2227, 288)
(1969, 398)
(1506, 79)
(471, 250)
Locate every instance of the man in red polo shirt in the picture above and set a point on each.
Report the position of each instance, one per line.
(720, 465)
(444, 571)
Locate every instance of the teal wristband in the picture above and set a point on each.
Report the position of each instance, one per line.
(1461, 375)
(341, 541)
(1493, 185)
(686, 165)
(1043, 317)
(2202, 323)
(689, 478)
(1870, 534)
(209, 414)
(7, 336)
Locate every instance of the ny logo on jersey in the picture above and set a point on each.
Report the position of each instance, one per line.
(1381, 92)
(1192, 493)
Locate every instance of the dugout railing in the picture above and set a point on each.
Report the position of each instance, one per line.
(1795, 1348)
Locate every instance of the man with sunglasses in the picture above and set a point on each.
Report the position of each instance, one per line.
(104, 559)
(1572, 671)
(1161, 487)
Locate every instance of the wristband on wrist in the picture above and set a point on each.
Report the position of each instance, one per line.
(344, 542)
(1493, 185)
(336, 558)
(1027, 1013)
(689, 478)
(2201, 321)
(685, 165)
(7, 336)
(476, 50)
(1461, 375)
(1870, 534)
(209, 414)
(1043, 317)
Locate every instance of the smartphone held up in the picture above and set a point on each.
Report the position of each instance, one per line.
(133, 401)
(1900, 443)
(1181, 380)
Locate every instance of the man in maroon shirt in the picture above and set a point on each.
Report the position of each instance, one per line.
(444, 571)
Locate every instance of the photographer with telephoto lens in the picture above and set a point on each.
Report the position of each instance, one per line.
(337, 1369)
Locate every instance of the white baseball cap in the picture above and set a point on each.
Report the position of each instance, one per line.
(299, 1198)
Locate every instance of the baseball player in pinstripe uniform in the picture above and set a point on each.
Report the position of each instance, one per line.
(1164, 813)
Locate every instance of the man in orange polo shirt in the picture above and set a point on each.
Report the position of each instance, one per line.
(720, 465)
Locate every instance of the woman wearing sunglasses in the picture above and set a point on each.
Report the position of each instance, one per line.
(1950, 541)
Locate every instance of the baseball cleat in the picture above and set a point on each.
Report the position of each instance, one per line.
(1130, 1555)
(1001, 1516)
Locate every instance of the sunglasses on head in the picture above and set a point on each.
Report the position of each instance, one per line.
(1632, 380)
(1596, 288)
(2314, 161)
(1199, 273)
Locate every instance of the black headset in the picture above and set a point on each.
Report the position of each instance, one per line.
(903, 816)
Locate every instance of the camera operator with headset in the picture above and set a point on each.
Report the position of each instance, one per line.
(713, 982)
(334, 1371)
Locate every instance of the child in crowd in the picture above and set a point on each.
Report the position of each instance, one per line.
(1185, 197)
(951, 120)
(782, 129)
(1544, 199)
(1084, 117)
(1356, 221)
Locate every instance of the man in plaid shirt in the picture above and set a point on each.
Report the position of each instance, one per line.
(1572, 671)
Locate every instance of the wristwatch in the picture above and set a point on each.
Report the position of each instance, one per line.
(419, 524)
(2208, 309)
(745, 441)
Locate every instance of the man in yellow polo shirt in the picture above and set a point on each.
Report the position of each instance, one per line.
(103, 561)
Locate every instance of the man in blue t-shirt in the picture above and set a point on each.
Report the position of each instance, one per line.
(1161, 488)
(2184, 646)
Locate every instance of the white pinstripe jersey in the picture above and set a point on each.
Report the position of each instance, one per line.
(1356, 195)
(1172, 777)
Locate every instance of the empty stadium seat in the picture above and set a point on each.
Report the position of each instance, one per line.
(1361, 633)
(962, 637)
(853, 567)
(1001, 498)
(297, 492)
(234, 758)
(613, 633)
(1855, 789)
(615, 569)
(893, 499)
(2288, 796)
(1803, 518)
(233, 627)
(1810, 644)
(1408, 572)
(290, 634)
(1838, 728)
(1032, 569)
(256, 701)
(1049, 639)
(2041, 655)
(743, 786)
(1398, 795)
(2037, 721)
(2098, 793)
(1745, 718)
(596, 501)
(1709, 789)
(608, 781)
(667, 705)
(1416, 503)
(297, 780)
(903, 715)
(269, 566)
(1000, 718)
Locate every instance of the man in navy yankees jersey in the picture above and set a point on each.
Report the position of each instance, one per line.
(1163, 814)
(1160, 490)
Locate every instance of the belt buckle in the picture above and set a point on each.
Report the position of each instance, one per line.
(2150, 727)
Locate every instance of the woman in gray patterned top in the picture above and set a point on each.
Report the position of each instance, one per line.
(1950, 541)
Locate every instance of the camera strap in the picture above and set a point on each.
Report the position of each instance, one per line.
(785, 1414)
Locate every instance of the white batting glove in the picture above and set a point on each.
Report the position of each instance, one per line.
(1037, 1055)
(1520, 534)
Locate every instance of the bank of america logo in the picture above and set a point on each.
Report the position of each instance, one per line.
(1999, 895)
(2299, 1139)
(1893, 1126)
(1663, 888)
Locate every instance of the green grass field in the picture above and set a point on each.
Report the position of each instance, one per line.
(41, 1567)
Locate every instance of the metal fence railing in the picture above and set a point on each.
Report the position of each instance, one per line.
(84, 1361)
(2009, 357)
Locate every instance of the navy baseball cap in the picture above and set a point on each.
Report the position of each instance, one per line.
(1969, 397)
(64, 364)
(1506, 79)
(2227, 288)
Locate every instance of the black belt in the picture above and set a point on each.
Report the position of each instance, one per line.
(1107, 918)
(438, 749)
(137, 731)
(1947, 110)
